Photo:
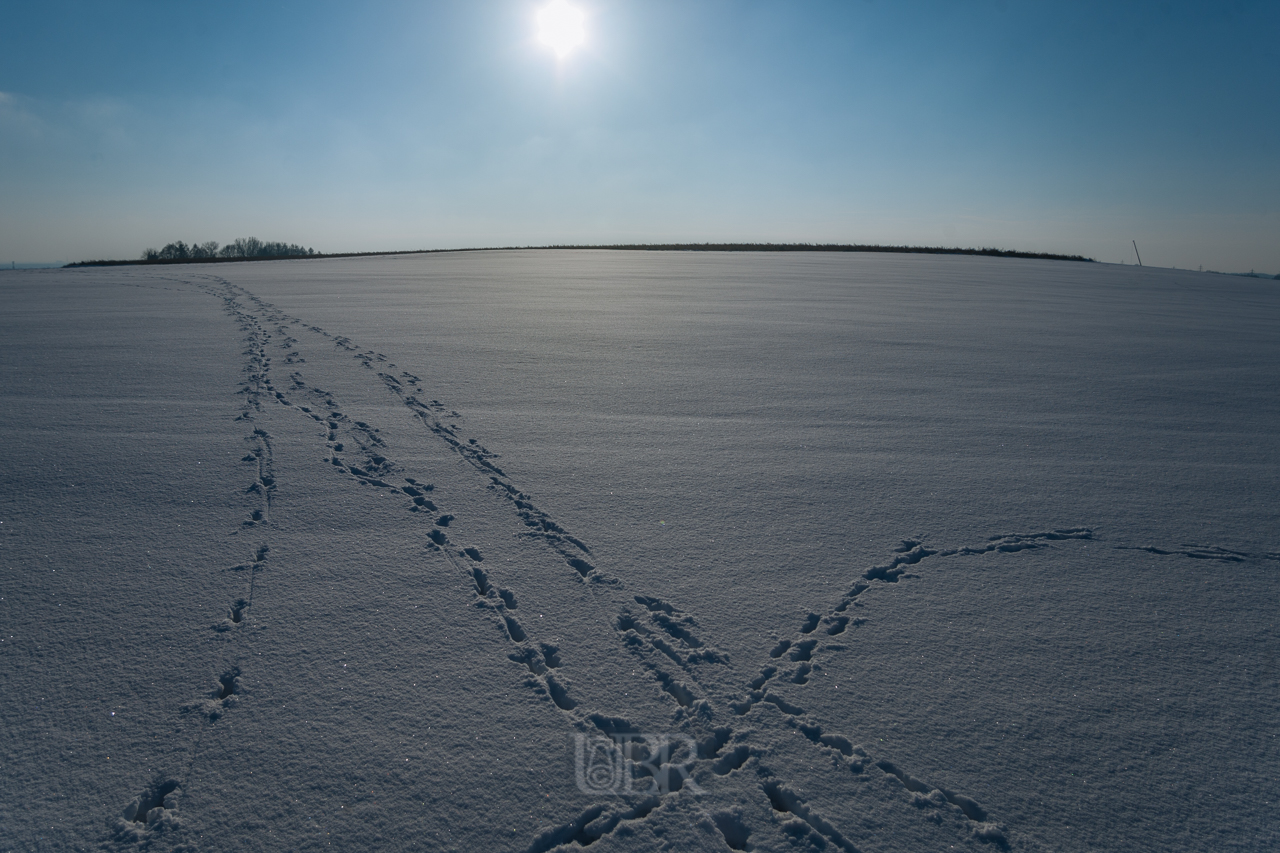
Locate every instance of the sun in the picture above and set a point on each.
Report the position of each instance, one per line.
(561, 27)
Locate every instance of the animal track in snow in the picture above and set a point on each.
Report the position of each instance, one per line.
(653, 630)
(591, 825)
(781, 704)
(236, 614)
(909, 553)
(1200, 552)
(681, 644)
(352, 436)
(1012, 542)
(664, 631)
(150, 815)
(264, 485)
(359, 436)
(806, 822)
(732, 760)
(815, 735)
(735, 832)
(225, 695)
(483, 587)
(926, 796)
(837, 622)
(153, 812)
(540, 659)
(803, 646)
(541, 525)
(514, 630)
(229, 684)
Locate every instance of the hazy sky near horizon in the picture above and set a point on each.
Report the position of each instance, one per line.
(1063, 127)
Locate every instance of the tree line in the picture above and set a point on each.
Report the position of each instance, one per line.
(241, 247)
(823, 247)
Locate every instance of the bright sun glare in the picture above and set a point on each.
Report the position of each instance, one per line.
(561, 28)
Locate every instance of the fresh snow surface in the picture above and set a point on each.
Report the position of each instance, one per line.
(893, 552)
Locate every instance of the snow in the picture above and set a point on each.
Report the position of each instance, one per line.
(918, 552)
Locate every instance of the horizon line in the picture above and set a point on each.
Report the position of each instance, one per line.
(645, 247)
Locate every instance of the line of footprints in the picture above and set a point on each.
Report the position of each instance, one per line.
(154, 812)
(655, 631)
(665, 641)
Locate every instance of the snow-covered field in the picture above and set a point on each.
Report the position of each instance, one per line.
(844, 552)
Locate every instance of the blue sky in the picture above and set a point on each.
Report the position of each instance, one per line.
(1064, 127)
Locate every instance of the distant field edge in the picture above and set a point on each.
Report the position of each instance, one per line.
(640, 247)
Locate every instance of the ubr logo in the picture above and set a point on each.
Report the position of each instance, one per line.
(634, 763)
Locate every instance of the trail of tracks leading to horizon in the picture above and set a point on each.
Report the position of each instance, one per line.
(728, 714)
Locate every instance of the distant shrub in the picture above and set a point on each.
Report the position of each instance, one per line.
(241, 247)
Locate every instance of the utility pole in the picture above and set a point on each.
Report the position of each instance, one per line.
(1135, 251)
